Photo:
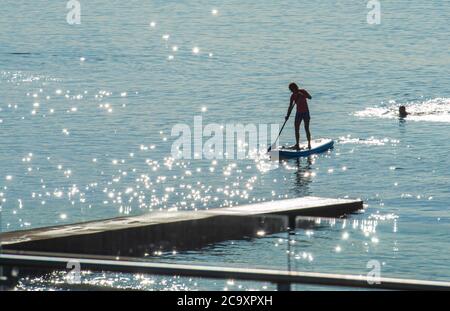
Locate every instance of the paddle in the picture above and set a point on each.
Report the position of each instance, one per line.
(270, 148)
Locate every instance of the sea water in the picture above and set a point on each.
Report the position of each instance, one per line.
(87, 111)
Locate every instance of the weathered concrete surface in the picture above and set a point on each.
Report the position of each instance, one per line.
(165, 231)
(306, 206)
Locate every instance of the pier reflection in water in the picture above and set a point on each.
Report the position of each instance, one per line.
(303, 176)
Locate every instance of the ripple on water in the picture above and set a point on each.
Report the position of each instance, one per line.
(371, 141)
(432, 110)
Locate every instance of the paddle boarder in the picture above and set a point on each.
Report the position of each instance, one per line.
(299, 97)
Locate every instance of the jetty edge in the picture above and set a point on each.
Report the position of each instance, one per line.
(180, 230)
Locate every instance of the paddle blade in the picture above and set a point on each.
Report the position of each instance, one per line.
(273, 146)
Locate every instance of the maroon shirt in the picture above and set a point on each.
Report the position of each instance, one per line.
(301, 100)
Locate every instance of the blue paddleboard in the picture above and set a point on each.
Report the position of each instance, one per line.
(317, 146)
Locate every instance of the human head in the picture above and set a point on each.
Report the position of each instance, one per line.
(402, 111)
(293, 87)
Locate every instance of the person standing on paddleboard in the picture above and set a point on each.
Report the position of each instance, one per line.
(299, 97)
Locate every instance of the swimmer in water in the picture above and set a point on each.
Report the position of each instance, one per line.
(402, 112)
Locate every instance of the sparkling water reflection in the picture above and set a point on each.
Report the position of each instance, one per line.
(86, 114)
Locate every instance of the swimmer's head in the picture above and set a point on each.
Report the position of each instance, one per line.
(402, 111)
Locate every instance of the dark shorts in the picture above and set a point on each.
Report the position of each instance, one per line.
(302, 116)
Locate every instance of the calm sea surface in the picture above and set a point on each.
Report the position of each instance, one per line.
(86, 113)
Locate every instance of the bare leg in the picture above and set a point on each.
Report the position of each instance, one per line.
(308, 133)
(297, 133)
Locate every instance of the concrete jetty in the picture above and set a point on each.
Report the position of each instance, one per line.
(167, 231)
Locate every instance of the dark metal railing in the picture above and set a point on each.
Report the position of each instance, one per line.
(283, 279)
